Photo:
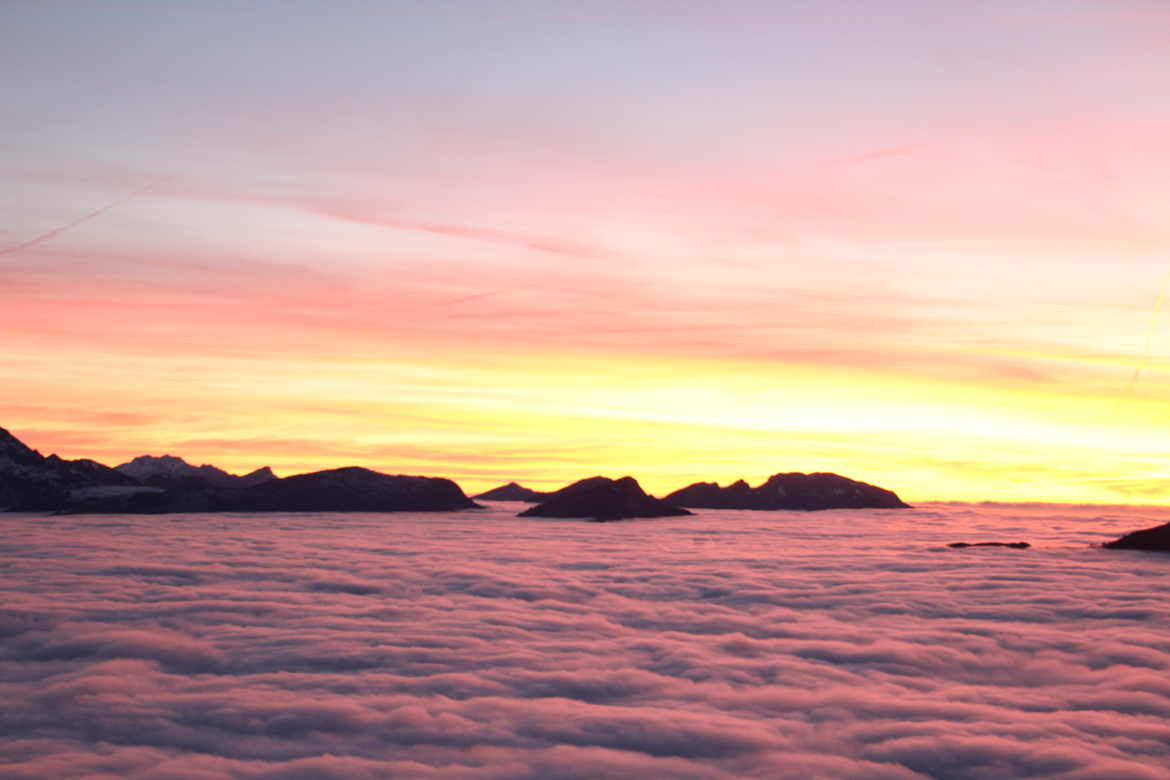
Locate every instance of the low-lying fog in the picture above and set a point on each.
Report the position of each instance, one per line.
(849, 644)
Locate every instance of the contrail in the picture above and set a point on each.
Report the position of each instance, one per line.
(1150, 327)
(83, 218)
(877, 154)
(466, 299)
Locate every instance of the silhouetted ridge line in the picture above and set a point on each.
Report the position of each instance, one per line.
(788, 491)
(603, 499)
(30, 482)
(512, 492)
(357, 489)
(168, 471)
(348, 489)
(159, 484)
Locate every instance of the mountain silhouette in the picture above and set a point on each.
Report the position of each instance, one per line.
(32, 482)
(1156, 539)
(603, 499)
(168, 471)
(788, 491)
(513, 492)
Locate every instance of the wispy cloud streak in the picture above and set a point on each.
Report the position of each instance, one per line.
(42, 238)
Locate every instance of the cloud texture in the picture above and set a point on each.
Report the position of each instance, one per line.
(477, 646)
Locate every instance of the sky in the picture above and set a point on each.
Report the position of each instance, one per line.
(919, 244)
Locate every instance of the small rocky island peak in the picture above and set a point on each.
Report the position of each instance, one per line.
(603, 499)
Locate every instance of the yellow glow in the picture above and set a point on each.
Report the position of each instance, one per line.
(667, 422)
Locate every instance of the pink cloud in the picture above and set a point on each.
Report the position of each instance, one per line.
(483, 646)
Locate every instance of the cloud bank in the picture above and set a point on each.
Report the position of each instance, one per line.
(477, 645)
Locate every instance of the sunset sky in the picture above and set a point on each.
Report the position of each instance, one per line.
(920, 244)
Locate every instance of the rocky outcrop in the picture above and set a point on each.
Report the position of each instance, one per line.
(788, 491)
(167, 471)
(603, 499)
(513, 492)
(708, 495)
(351, 489)
(1156, 539)
(263, 474)
(31, 482)
(1013, 545)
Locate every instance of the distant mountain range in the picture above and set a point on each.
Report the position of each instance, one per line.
(603, 499)
(168, 471)
(32, 482)
(789, 491)
(513, 492)
(792, 491)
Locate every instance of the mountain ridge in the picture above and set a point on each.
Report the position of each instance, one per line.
(148, 484)
(790, 490)
(603, 499)
(30, 481)
(168, 470)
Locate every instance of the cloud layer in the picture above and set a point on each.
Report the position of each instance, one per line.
(477, 645)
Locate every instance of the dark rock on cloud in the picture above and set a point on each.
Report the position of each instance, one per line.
(708, 495)
(513, 492)
(353, 489)
(350, 489)
(1013, 545)
(602, 499)
(1156, 538)
(788, 491)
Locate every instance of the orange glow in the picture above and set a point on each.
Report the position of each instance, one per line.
(969, 336)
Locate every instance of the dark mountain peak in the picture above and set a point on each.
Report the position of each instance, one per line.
(16, 451)
(157, 460)
(170, 471)
(159, 484)
(31, 482)
(263, 474)
(342, 472)
(150, 465)
(789, 490)
(8, 440)
(347, 489)
(602, 499)
(512, 492)
(579, 485)
(353, 489)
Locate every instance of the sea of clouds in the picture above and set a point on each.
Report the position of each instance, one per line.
(476, 645)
